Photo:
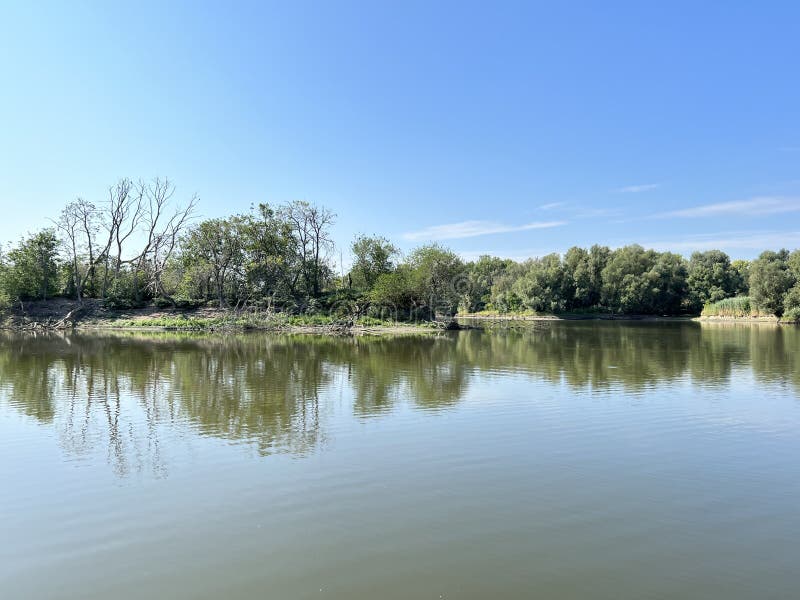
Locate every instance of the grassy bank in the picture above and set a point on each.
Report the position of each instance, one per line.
(742, 308)
(488, 316)
(61, 313)
(253, 321)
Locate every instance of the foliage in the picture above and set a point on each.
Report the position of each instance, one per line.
(740, 306)
(32, 268)
(791, 303)
(394, 293)
(636, 280)
(710, 278)
(481, 276)
(585, 268)
(543, 285)
(373, 256)
(740, 275)
(437, 278)
(770, 280)
(213, 252)
(135, 248)
(791, 315)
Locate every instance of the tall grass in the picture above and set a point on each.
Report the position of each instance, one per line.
(252, 320)
(739, 306)
(233, 321)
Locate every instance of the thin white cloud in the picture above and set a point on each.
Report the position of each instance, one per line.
(738, 243)
(594, 213)
(636, 189)
(466, 229)
(552, 205)
(732, 240)
(763, 205)
(518, 256)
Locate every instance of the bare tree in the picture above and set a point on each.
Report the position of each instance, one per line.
(131, 209)
(310, 226)
(67, 224)
(78, 224)
(163, 231)
(320, 220)
(122, 215)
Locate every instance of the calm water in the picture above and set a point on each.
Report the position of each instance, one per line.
(570, 460)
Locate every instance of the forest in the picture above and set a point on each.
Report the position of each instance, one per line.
(141, 246)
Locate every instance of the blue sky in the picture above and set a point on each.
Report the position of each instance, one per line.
(508, 128)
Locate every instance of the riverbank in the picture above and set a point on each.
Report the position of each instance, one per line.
(751, 319)
(62, 314)
(484, 318)
(488, 317)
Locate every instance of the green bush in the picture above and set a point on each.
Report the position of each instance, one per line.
(371, 322)
(189, 303)
(791, 316)
(5, 300)
(163, 302)
(123, 303)
(302, 320)
(729, 307)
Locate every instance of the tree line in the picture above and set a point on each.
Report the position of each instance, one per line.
(140, 245)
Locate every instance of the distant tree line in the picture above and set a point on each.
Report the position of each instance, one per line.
(140, 246)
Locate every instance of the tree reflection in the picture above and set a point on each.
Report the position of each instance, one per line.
(125, 390)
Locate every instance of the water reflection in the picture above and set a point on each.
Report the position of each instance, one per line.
(122, 390)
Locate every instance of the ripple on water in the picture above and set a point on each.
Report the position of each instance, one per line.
(577, 460)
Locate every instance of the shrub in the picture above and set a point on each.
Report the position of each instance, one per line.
(791, 316)
(161, 302)
(729, 307)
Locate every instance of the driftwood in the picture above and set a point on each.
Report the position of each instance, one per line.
(70, 318)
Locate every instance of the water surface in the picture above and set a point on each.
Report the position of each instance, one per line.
(565, 460)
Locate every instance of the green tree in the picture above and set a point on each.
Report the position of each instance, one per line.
(438, 276)
(373, 256)
(636, 280)
(770, 280)
(624, 286)
(5, 299)
(481, 276)
(395, 294)
(32, 268)
(740, 274)
(271, 267)
(585, 270)
(710, 278)
(791, 303)
(215, 247)
(544, 286)
(793, 264)
(503, 296)
(667, 281)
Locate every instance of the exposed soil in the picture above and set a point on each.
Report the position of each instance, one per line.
(63, 313)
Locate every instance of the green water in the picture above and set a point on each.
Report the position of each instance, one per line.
(567, 460)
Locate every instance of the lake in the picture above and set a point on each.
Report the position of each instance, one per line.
(563, 460)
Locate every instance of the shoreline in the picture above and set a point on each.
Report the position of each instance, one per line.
(498, 318)
(68, 315)
(761, 320)
(61, 314)
(573, 317)
(289, 329)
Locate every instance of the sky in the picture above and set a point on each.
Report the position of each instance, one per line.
(514, 129)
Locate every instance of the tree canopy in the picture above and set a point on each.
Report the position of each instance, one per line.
(140, 244)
